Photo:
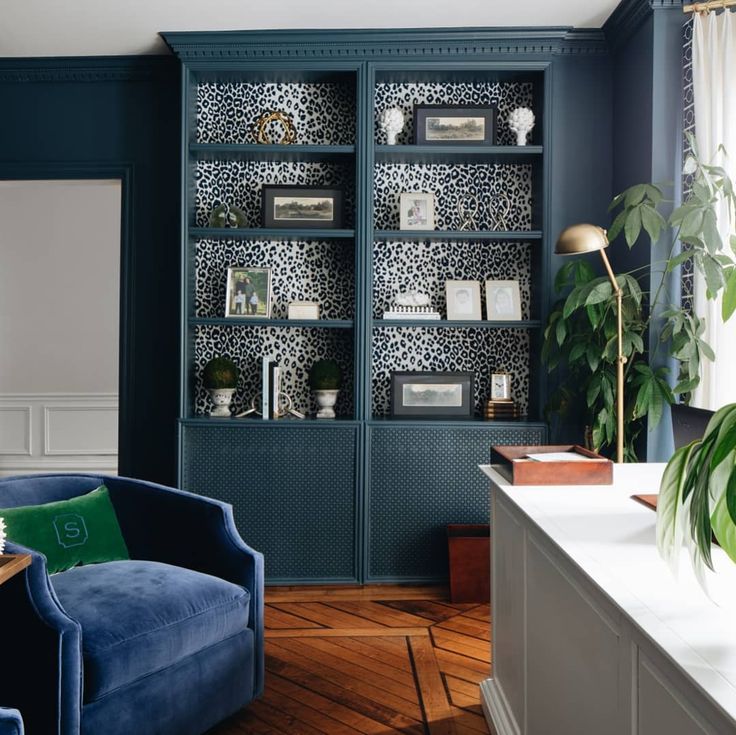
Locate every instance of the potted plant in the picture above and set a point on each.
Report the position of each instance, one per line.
(697, 497)
(325, 380)
(580, 337)
(220, 377)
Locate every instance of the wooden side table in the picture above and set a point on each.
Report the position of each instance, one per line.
(11, 564)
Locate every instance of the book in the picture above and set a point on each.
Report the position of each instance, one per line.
(275, 387)
(265, 388)
(411, 315)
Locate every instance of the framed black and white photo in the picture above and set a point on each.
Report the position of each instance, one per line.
(248, 293)
(440, 395)
(503, 301)
(416, 211)
(463, 300)
(444, 125)
(301, 206)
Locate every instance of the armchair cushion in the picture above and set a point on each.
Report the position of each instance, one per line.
(139, 617)
(81, 530)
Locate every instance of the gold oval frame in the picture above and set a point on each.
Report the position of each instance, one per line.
(289, 134)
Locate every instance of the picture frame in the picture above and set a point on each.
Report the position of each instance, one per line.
(416, 211)
(454, 125)
(463, 300)
(248, 293)
(503, 301)
(301, 207)
(432, 395)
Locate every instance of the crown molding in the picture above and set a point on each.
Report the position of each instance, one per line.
(630, 14)
(195, 46)
(85, 69)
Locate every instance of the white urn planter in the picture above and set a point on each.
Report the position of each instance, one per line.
(326, 400)
(221, 399)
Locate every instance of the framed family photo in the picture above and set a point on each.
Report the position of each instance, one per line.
(416, 211)
(301, 207)
(441, 395)
(248, 293)
(459, 125)
(463, 300)
(503, 301)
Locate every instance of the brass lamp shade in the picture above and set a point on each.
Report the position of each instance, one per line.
(579, 239)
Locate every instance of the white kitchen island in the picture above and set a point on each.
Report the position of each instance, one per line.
(592, 635)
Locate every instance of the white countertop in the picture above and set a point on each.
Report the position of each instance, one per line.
(611, 538)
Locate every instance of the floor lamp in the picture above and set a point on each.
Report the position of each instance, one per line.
(579, 239)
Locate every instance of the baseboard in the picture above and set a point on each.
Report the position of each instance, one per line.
(496, 708)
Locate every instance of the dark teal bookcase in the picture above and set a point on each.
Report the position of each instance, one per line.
(366, 498)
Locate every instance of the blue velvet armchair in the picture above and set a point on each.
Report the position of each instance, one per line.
(11, 722)
(168, 643)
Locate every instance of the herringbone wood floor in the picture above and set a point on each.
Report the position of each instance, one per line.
(369, 661)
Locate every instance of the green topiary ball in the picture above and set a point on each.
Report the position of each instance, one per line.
(220, 372)
(325, 375)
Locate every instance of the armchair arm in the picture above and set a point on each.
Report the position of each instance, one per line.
(43, 648)
(11, 723)
(173, 526)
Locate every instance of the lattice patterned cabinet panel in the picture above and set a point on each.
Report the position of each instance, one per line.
(292, 491)
(421, 479)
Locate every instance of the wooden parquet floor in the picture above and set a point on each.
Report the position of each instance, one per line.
(369, 660)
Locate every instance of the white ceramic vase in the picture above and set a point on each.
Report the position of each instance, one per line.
(391, 123)
(326, 400)
(221, 398)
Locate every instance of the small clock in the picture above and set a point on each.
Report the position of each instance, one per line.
(500, 386)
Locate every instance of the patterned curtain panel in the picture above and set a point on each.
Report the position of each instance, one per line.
(714, 83)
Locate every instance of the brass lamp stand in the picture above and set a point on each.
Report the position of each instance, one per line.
(579, 239)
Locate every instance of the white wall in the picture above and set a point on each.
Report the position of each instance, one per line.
(59, 325)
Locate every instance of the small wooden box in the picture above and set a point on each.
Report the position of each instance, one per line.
(512, 463)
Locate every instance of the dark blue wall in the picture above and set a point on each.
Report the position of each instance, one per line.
(61, 116)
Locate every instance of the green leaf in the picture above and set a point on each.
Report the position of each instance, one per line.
(561, 331)
(728, 305)
(724, 526)
(686, 386)
(634, 195)
(672, 263)
(616, 201)
(669, 505)
(618, 224)
(562, 277)
(593, 354)
(707, 350)
(577, 351)
(632, 228)
(652, 221)
(594, 390)
(692, 223)
(602, 292)
(710, 235)
(730, 495)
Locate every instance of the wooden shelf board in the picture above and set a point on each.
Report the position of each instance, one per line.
(268, 152)
(479, 235)
(310, 421)
(447, 324)
(236, 321)
(510, 154)
(271, 233)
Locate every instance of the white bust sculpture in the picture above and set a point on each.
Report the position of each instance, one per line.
(521, 122)
(391, 122)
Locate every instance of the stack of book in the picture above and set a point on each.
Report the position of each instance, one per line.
(502, 410)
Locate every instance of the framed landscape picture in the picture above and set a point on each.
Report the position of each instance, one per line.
(444, 125)
(248, 293)
(301, 207)
(440, 395)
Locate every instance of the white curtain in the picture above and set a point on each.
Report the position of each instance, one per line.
(714, 82)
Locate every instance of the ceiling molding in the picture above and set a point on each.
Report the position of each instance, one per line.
(86, 69)
(630, 14)
(192, 46)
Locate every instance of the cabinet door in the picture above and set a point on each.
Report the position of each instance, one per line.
(421, 479)
(292, 491)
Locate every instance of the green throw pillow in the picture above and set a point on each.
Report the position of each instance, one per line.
(81, 530)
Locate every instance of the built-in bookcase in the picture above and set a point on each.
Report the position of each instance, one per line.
(365, 497)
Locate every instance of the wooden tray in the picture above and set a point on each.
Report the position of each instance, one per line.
(11, 564)
(512, 463)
